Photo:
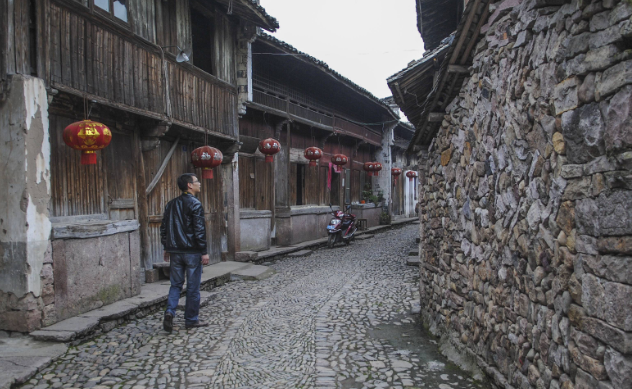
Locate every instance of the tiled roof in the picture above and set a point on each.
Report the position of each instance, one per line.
(324, 67)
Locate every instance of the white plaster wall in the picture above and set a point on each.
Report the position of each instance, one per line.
(25, 157)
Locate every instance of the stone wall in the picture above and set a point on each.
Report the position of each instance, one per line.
(526, 237)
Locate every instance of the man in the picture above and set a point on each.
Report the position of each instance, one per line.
(183, 236)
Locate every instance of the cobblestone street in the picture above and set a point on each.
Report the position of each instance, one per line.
(340, 318)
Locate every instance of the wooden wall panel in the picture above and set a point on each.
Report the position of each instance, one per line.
(247, 180)
(143, 14)
(293, 183)
(76, 189)
(121, 177)
(88, 57)
(225, 49)
(356, 188)
(264, 184)
(211, 196)
(312, 185)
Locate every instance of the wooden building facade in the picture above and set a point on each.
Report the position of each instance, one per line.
(301, 102)
(165, 77)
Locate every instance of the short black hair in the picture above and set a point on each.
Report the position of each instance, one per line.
(184, 181)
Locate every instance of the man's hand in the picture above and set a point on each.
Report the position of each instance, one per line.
(205, 259)
(166, 256)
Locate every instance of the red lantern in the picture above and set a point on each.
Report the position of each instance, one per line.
(376, 168)
(87, 136)
(368, 167)
(411, 174)
(269, 147)
(313, 154)
(396, 172)
(207, 158)
(339, 159)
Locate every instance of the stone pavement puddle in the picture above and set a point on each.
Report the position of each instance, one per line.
(338, 318)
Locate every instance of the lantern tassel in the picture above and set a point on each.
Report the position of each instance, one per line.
(269, 158)
(88, 158)
(312, 163)
(207, 174)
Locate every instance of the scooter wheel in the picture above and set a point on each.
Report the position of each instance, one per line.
(331, 241)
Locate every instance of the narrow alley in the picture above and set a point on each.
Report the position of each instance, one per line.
(339, 318)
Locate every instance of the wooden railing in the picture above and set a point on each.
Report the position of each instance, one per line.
(87, 57)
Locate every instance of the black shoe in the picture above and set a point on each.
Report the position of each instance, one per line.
(197, 324)
(167, 322)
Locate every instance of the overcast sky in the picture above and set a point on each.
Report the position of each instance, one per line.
(364, 40)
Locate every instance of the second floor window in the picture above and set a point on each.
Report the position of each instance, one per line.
(116, 8)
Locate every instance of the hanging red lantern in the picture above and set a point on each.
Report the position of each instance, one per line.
(411, 174)
(339, 159)
(396, 172)
(207, 158)
(269, 147)
(313, 154)
(376, 168)
(368, 167)
(87, 136)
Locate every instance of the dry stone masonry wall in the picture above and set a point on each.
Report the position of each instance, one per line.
(526, 237)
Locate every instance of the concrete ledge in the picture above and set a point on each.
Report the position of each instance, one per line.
(254, 214)
(21, 358)
(301, 253)
(252, 273)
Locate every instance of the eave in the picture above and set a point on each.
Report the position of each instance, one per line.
(251, 11)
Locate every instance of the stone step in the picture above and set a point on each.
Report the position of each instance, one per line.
(412, 261)
(414, 251)
(301, 253)
(365, 236)
(246, 256)
(252, 273)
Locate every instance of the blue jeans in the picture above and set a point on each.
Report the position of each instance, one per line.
(191, 265)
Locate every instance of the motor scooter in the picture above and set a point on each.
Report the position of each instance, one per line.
(342, 227)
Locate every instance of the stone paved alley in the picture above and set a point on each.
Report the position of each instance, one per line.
(339, 318)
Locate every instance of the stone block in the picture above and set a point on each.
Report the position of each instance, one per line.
(619, 368)
(596, 59)
(583, 130)
(584, 380)
(577, 189)
(558, 143)
(593, 296)
(152, 275)
(615, 245)
(612, 336)
(565, 96)
(595, 368)
(21, 321)
(245, 256)
(618, 305)
(617, 269)
(608, 215)
(614, 78)
(618, 114)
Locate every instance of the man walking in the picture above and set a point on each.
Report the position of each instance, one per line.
(183, 236)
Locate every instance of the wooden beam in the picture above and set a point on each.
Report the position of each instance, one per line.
(464, 32)
(435, 117)
(476, 33)
(457, 69)
(158, 175)
(142, 205)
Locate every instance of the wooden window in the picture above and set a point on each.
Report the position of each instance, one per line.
(202, 29)
(113, 8)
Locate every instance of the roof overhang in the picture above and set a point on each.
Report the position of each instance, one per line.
(251, 11)
(367, 97)
(427, 105)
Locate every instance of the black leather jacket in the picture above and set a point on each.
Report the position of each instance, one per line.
(183, 229)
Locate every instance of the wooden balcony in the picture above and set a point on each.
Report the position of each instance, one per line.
(91, 58)
(284, 100)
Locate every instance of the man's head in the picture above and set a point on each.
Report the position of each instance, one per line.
(188, 182)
